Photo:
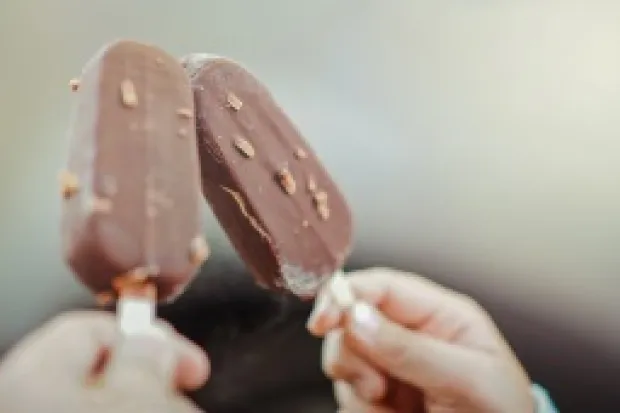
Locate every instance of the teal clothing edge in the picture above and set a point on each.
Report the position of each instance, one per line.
(543, 401)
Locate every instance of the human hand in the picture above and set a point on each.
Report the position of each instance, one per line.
(436, 349)
(60, 368)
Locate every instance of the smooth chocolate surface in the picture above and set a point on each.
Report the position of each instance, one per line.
(277, 203)
(132, 187)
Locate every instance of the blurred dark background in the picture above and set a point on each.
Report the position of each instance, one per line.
(477, 141)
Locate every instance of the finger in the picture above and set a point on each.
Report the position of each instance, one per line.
(72, 342)
(349, 402)
(164, 359)
(410, 300)
(325, 314)
(339, 362)
(414, 358)
(181, 404)
(192, 369)
(77, 344)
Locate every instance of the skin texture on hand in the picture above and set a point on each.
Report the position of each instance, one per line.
(410, 345)
(78, 363)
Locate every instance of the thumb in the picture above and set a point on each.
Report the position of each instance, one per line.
(142, 361)
(412, 357)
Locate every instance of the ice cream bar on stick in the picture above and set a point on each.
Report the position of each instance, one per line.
(131, 221)
(278, 205)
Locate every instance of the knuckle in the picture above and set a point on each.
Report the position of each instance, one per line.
(397, 354)
(394, 347)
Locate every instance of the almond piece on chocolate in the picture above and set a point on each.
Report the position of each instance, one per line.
(234, 102)
(128, 94)
(323, 211)
(286, 181)
(320, 197)
(244, 147)
(300, 153)
(74, 84)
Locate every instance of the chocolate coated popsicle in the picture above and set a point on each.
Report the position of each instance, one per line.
(277, 203)
(131, 191)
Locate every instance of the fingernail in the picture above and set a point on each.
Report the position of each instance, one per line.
(364, 321)
(341, 291)
(323, 314)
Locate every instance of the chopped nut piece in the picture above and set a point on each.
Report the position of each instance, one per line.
(311, 184)
(69, 184)
(198, 250)
(244, 147)
(320, 197)
(74, 84)
(300, 153)
(234, 102)
(323, 211)
(286, 181)
(128, 94)
(185, 113)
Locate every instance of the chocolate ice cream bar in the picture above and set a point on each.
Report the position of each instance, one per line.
(277, 203)
(131, 213)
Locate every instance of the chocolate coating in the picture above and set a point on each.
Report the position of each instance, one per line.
(278, 205)
(132, 187)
